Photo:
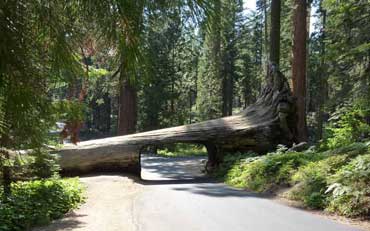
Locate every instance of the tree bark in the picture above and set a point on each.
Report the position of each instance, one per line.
(227, 93)
(127, 115)
(323, 81)
(299, 66)
(275, 32)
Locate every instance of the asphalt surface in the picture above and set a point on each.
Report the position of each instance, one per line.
(174, 195)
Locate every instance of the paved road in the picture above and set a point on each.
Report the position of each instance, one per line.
(175, 196)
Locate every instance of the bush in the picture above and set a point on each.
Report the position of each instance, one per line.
(350, 188)
(44, 164)
(264, 173)
(37, 164)
(38, 202)
(337, 180)
(315, 200)
(352, 149)
(231, 162)
(310, 181)
(348, 125)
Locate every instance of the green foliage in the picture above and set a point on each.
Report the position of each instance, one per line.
(315, 200)
(70, 110)
(275, 169)
(348, 30)
(33, 56)
(38, 202)
(43, 164)
(181, 150)
(313, 181)
(348, 125)
(36, 164)
(349, 188)
(310, 181)
(267, 172)
(233, 161)
(336, 180)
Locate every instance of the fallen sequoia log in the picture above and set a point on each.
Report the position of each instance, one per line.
(260, 127)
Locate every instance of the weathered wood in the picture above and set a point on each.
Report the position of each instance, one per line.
(259, 128)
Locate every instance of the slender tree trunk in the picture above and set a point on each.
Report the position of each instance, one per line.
(224, 95)
(172, 101)
(230, 94)
(106, 113)
(127, 114)
(227, 95)
(275, 32)
(266, 40)
(217, 60)
(323, 82)
(299, 66)
(6, 177)
(308, 80)
(5, 169)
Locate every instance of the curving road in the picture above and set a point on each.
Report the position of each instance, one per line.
(175, 196)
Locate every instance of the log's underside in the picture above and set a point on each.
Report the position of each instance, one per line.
(259, 128)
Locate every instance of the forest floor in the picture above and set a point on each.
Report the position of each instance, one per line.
(175, 195)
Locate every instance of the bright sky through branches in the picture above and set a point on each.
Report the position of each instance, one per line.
(250, 5)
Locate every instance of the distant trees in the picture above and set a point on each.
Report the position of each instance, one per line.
(218, 67)
(162, 64)
(209, 100)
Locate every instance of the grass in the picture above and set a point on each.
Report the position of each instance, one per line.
(182, 150)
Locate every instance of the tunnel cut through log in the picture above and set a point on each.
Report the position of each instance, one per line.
(260, 128)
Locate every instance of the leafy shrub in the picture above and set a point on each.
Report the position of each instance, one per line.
(38, 164)
(38, 202)
(337, 180)
(44, 164)
(232, 161)
(310, 181)
(352, 149)
(69, 110)
(315, 200)
(348, 125)
(350, 188)
(265, 172)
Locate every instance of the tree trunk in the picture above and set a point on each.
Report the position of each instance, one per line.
(227, 94)
(5, 168)
(299, 66)
(266, 41)
(308, 80)
(127, 114)
(260, 128)
(275, 32)
(322, 82)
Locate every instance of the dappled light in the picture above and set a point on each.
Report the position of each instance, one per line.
(206, 115)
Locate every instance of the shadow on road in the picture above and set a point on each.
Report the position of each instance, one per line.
(173, 168)
(71, 221)
(187, 172)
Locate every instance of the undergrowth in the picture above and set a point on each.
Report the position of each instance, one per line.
(182, 150)
(337, 180)
(37, 202)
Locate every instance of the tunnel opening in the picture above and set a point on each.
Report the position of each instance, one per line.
(175, 161)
